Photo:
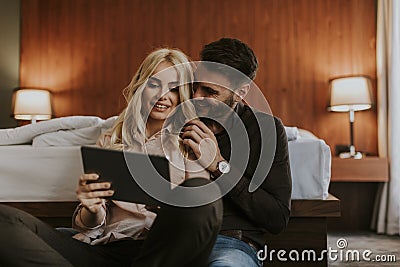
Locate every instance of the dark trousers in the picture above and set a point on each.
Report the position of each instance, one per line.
(178, 237)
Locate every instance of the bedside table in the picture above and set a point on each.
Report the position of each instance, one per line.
(368, 169)
(355, 182)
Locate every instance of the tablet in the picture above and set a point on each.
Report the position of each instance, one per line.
(123, 169)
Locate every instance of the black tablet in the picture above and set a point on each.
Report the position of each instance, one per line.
(128, 173)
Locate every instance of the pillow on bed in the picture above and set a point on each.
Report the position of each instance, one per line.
(74, 137)
(26, 134)
(291, 133)
(304, 134)
(83, 136)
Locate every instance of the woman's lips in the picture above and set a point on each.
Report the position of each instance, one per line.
(160, 107)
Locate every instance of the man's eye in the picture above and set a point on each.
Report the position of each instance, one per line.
(211, 91)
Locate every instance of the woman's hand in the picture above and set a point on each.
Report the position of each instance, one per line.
(92, 194)
(203, 143)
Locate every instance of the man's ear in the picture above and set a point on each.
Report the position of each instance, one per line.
(241, 92)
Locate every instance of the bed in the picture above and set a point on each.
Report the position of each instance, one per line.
(41, 179)
(310, 163)
(41, 162)
(33, 173)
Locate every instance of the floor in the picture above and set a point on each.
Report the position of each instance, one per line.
(346, 246)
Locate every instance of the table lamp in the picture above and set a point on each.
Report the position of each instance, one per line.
(350, 94)
(32, 104)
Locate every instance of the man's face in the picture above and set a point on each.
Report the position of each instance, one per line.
(212, 90)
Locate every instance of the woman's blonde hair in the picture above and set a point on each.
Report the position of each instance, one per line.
(130, 121)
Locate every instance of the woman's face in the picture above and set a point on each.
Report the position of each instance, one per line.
(161, 94)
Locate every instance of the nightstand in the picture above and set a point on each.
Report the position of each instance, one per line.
(355, 182)
(368, 169)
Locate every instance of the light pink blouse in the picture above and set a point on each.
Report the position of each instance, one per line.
(130, 220)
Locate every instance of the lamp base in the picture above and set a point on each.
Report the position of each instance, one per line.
(348, 155)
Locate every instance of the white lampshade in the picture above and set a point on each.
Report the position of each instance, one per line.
(350, 93)
(32, 104)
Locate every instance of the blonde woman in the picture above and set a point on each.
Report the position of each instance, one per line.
(115, 233)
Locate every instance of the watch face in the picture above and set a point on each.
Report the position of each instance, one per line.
(224, 167)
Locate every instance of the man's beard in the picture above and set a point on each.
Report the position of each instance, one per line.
(218, 113)
(230, 101)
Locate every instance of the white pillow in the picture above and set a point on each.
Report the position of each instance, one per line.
(291, 133)
(76, 137)
(25, 134)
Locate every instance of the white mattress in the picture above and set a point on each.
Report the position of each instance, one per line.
(39, 173)
(310, 163)
(51, 173)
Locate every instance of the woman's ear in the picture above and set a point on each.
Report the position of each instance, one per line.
(241, 92)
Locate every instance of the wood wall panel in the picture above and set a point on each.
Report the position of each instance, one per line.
(87, 51)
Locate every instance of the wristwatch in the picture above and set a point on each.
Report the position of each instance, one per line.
(223, 167)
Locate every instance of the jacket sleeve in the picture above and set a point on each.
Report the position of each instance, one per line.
(268, 206)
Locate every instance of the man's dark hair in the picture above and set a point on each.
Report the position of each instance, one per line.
(231, 52)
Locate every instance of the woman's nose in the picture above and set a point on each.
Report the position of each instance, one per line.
(164, 93)
(163, 96)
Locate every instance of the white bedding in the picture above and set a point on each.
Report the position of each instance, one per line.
(310, 163)
(39, 173)
(30, 173)
(64, 131)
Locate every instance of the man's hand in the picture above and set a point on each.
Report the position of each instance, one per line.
(203, 143)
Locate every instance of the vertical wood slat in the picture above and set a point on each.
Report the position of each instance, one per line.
(87, 51)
